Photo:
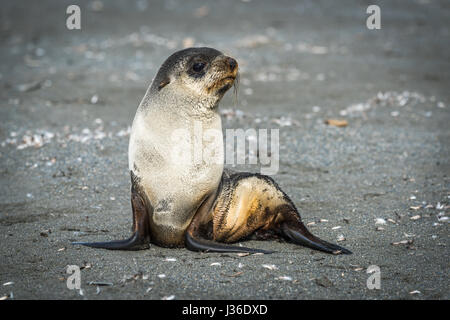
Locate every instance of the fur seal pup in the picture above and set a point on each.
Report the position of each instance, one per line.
(198, 205)
(166, 192)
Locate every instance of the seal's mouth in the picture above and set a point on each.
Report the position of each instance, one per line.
(224, 84)
(226, 80)
(229, 70)
(232, 78)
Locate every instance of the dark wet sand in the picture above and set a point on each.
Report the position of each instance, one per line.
(300, 65)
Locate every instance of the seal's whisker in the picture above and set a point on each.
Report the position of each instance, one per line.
(235, 90)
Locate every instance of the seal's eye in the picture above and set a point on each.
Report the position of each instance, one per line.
(198, 66)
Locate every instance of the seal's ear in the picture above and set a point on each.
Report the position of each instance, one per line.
(163, 83)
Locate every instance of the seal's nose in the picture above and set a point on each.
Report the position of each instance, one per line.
(232, 63)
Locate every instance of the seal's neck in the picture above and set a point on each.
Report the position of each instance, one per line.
(183, 103)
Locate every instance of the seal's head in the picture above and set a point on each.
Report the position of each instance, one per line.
(204, 73)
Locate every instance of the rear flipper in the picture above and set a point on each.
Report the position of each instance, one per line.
(199, 244)
(300, 235)
(249, 204)
(141, 227)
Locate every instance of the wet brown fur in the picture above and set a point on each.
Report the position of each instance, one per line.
(248, 203)
(252, 206)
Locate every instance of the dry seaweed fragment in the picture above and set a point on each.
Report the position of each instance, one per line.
(336, 122)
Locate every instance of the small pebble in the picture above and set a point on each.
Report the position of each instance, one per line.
(243, 254)
(94, 99)
(402, 242)
(324, 282)
(170, 259)
(270, 266)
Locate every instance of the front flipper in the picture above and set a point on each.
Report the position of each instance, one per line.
(200, 244)
(135, 242)
(141, 227)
